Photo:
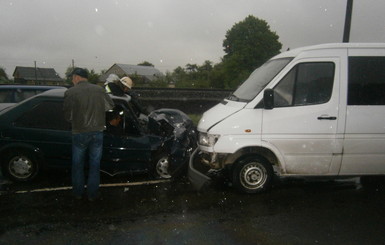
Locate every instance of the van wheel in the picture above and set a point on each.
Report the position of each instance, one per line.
(253, 175)
(21, 166)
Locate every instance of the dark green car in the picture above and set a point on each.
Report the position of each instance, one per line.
(34, 136)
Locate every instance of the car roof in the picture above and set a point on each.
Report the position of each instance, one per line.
(60, 93)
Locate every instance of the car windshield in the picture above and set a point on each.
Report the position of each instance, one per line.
(258, 80)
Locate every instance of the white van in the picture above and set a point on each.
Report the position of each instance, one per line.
(312, 111)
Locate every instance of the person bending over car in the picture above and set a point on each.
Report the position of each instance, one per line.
(122, 87)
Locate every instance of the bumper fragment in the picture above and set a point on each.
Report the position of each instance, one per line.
(197, 179)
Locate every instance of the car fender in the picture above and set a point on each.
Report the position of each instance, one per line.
(22, 146)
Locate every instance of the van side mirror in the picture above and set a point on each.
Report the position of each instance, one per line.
(268, 99)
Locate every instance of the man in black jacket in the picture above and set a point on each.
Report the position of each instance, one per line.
(85, 105)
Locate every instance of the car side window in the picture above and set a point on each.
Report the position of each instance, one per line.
(306, 84)
(46, 115)
(21, 94)
(366, 84)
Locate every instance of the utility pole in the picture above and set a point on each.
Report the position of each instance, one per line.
(36, 82)
(348, 20)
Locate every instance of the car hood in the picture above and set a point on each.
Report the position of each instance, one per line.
(169, 122)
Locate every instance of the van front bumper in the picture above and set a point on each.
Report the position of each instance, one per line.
(196, 172)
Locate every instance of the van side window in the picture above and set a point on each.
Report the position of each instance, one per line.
(306, 84)
(366, 84)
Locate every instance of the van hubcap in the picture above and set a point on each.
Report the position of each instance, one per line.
(253, 175)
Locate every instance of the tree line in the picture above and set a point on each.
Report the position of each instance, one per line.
(247, 45)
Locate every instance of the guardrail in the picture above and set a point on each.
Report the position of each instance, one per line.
(190, 101)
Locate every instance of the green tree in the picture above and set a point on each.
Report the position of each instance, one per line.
(206, 67)
(192, 76)
(68, 77)
(217, 77)
(93, 77)
(191, 68)
(248, 44)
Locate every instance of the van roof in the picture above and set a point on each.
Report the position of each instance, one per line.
(296, 51)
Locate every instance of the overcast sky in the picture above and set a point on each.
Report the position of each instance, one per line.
(168, 33)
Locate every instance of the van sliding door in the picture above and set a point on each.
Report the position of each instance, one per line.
(364, 145)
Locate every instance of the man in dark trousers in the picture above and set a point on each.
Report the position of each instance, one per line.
(85, 105)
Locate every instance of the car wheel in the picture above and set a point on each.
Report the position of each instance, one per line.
(21, 166)
(161, 167)
(252, 175)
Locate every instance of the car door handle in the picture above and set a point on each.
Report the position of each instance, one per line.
(326, 118)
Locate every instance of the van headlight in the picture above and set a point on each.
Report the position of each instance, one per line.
(208, 139)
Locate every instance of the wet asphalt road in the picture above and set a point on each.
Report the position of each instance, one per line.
(293, 212)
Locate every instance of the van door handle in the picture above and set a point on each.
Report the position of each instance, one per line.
(326, 118)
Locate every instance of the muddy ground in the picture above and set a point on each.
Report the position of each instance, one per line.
(140, 212)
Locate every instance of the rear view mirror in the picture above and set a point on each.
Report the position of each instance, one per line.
(268, 99)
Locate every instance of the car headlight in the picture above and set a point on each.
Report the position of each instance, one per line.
(208, 139)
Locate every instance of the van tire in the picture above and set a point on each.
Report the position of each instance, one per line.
(253, 174)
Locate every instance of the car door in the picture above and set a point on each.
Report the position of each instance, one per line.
(303, 124)
(126, 148)
(130, 153)
(43, 127)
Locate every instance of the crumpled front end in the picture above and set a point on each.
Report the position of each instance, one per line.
(179, 133)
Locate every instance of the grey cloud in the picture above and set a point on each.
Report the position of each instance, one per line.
(167, 33)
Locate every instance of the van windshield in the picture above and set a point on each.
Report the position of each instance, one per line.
(258, 80)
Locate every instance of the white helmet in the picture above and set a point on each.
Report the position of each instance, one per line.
(126, 81)
(111, 78)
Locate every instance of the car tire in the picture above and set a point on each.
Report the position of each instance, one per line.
(160, 167)
(20, 166)
(253, 175)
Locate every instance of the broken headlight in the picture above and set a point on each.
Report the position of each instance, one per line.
(208, 140)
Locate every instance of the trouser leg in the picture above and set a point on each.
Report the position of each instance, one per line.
(78, 156)
(95, 154)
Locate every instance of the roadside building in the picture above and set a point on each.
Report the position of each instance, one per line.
(140, 74)
(37, 76)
